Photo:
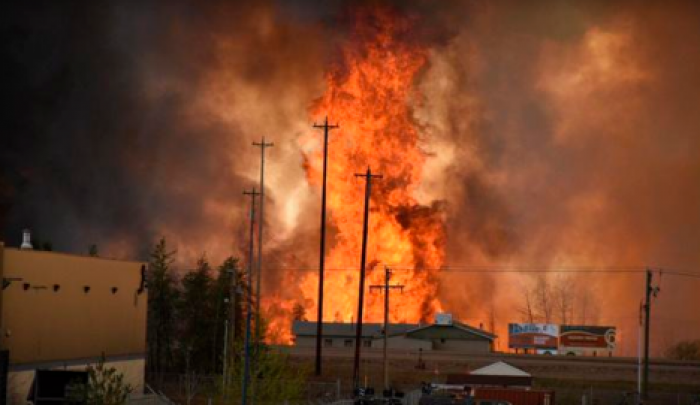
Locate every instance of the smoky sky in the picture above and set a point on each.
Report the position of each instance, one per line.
(73, 121)
(557, 133)
(90, 156)
(86, 157)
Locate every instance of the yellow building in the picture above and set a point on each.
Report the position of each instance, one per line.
(61, 311)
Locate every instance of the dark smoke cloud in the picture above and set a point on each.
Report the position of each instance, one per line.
(102, 143)
(128, 121)
(86, 157)
(576, 143)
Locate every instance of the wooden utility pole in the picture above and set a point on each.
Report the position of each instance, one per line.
(230, 320)
(639, 348)
(262, 146)
(249, 299)
(387, 288)
(650, 291)
(319, 319)
(358, 336)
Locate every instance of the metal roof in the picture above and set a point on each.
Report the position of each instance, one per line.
(501, 368)
(334, 329)
(457, 325)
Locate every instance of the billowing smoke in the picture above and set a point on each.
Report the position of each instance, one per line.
(557, 135)
(569, 140)
(131, 122)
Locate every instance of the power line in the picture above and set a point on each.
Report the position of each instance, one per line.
(498, 270)
(482, 270)
(680, 274)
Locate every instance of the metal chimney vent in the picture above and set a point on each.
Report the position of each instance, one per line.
(443, 319)
(26, 240)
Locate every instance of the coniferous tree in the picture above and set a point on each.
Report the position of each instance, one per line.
(197, 314)
(105, 386)
(162, 304)
(227, 306)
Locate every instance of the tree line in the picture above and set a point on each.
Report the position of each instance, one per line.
(187, 314)
(187, 332)
(558, 299)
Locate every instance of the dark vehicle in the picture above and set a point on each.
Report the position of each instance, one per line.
(364, 396)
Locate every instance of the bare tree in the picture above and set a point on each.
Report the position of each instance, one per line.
(584, 303)
(527, 309)
(492, 322)
(557, 299)
(563, 296)
(543, 298)
(584, 306)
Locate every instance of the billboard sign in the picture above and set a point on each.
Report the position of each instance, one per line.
(587, 337)
(533, 336)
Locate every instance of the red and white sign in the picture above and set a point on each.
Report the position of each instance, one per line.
(587, 337)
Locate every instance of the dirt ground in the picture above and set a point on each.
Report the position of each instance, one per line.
(564, 373)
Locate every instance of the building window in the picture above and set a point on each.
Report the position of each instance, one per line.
(328, 342)
(367, 343)
(347, 343)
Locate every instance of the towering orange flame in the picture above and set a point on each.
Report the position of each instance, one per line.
(369, 92)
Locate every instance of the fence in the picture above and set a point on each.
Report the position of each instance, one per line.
(318, 392)
(206, 389)
(411, 398)
(178, 389)
(617, 397)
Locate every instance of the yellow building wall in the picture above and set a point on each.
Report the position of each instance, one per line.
(40, 324)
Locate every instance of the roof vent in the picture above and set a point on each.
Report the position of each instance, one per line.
(443, 319)
(26, 240)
